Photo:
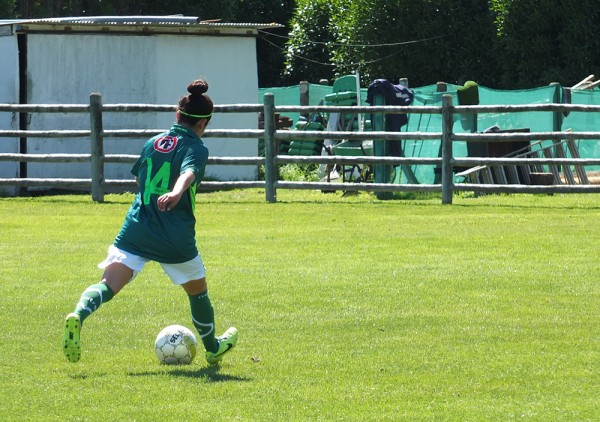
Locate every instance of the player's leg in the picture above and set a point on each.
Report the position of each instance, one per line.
(203, 316)
(117, 273)
(191, 276)
(115, 276)
(204, 321)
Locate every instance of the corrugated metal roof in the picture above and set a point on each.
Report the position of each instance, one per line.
(173, 19)
(146, 24)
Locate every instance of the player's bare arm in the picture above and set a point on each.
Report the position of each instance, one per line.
(169, 200)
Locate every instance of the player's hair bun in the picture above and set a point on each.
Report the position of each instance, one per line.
(197, 103)
(198, 87)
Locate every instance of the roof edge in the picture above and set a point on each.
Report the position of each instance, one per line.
(140, 20)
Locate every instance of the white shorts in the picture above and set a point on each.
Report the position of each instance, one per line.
(179, 273)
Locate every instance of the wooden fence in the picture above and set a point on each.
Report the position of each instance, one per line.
(97, 184)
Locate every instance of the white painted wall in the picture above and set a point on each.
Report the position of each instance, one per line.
(229, 66)
(9, 94)
(66, 68)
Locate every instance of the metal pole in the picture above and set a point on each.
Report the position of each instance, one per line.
(304, 96)
(97, 147)
(270, 148)
(557, 115)
(358, 102)
(447, 171)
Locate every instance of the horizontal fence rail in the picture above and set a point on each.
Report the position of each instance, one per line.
(97, 184)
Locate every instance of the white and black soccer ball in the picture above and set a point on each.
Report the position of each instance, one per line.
(175, 345)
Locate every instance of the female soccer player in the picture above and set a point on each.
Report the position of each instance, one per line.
(159, 226)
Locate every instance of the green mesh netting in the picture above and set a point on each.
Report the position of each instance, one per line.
(535, 121)
(429, 96)
(291, 96)
(579, 121)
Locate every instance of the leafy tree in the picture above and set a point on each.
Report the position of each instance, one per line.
(498, 7)
(425, 41)
(308, 55)
(498, 43)
(61, 8)
(7, 9)
(546, 41)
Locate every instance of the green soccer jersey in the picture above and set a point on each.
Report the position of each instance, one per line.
(167, 237)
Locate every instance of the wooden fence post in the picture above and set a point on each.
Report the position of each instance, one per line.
(270, 148)
(447, 171)
(97, 147)
(382, 173)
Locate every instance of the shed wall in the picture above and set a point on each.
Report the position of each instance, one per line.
(9, 94)
(66, 68)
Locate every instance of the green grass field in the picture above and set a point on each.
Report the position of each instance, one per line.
(348, 308)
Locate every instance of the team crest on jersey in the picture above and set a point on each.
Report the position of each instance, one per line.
(165, 144)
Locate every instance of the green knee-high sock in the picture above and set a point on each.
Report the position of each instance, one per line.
(203, 318)
(91, 299)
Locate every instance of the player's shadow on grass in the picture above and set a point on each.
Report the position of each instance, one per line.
(210, 374)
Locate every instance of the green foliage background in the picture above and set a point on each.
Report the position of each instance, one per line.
(498, 43)
(549, 41)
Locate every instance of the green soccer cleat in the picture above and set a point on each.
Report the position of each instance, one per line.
(71, 345)
(227, 342)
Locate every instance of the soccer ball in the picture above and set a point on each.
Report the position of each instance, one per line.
(175, 345)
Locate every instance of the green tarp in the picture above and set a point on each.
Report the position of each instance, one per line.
(429, 96)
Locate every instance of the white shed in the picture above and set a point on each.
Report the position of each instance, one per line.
(137, 59)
